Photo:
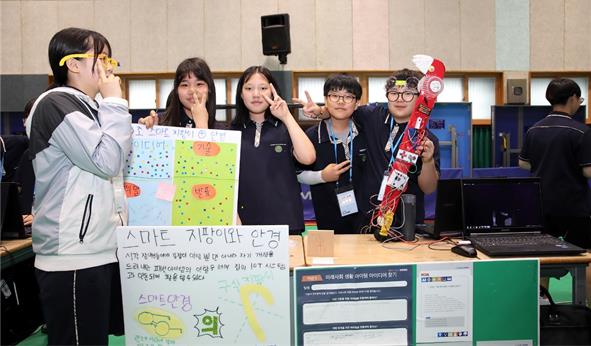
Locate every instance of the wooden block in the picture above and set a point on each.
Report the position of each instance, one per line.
(319, 243)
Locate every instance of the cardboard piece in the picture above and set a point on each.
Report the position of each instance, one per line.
(319, 243)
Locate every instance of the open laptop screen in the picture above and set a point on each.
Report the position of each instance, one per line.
(502, 205)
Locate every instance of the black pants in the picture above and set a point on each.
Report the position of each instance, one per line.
(81, 307)
(575, 230)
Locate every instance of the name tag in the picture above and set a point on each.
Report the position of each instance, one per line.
(346, 199)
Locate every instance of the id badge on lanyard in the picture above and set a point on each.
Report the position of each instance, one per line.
(346, 198)
(345, 194)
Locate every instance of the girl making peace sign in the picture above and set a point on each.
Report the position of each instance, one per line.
(191, 102)
(269, 193)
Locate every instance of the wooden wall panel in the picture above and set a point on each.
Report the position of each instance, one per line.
(370, 35)
(10, 39)
(39, 24)
(547, 35)
(477, 35)
(334, 35)
(186, 26)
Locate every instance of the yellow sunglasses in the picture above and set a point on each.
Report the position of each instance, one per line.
(106, 60)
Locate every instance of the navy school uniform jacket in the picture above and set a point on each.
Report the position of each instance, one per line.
(268, 192)
(15, 146)
(374, 123)
(554, 148)
(25, 176)
(324, 198)
(585, 152)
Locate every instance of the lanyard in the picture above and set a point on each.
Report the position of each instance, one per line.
(394, 147)
(334, 142)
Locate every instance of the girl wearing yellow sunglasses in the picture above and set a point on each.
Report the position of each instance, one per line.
(79, 148)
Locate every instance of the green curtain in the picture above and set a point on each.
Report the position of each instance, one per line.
(481, 146)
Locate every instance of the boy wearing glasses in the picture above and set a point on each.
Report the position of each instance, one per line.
(383, 126)
(554, 150)
(340, 156)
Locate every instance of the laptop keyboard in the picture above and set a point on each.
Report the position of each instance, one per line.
(515, 240)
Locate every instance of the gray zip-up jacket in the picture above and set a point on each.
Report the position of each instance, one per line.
(78, 151)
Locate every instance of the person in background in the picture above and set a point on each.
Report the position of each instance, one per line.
(78, 148)
(13, 147)
(192, 99)
(25, 175)
(553, 150)
(340, 159)
(585, 154)
(585, 160)
(17, 167)
(557, 150)
(272, 142)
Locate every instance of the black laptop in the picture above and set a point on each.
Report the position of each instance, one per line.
(11, 219)
(448, 210)
(503, 217)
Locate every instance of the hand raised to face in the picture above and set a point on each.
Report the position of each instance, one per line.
(109, 86)
(199, 109)
(277, 105)
(311, 109)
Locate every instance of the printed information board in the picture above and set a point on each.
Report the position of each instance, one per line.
(463, 302)
(354, 305)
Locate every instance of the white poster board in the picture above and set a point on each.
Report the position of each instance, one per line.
(444, 302)
(208, 285)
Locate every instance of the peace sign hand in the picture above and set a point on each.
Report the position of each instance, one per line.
(311, 109)
(333, 171)
(109, 86)
(198, 109)
(277, 105)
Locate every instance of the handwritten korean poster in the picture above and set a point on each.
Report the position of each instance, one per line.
(205, 285)
(179, 176)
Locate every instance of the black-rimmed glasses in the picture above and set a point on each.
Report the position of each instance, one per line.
(407, 96)
(346, 98)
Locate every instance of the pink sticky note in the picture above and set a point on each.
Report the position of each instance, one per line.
(166, 192)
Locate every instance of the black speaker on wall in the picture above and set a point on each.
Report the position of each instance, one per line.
(275, 34)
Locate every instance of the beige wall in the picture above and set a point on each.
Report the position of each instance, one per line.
(155, 35)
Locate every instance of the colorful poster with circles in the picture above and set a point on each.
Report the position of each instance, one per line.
(182, 176)
(205, 285)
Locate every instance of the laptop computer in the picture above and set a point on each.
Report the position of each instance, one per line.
(11, 219)
(503, 217)
(448, 210)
